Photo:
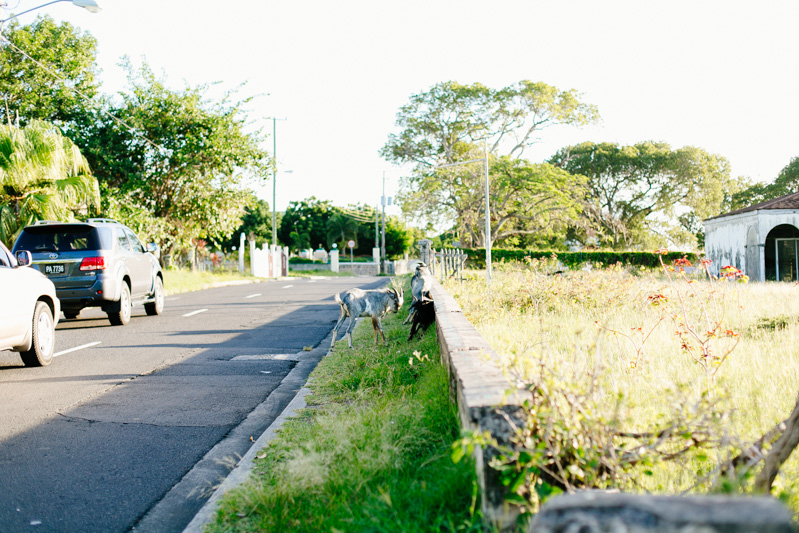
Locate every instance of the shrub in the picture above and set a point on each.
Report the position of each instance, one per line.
(477, 257)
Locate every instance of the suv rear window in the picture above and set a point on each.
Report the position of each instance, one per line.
(59, 238)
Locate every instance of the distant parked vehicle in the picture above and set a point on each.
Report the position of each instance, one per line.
(29, 309)
(99, 263)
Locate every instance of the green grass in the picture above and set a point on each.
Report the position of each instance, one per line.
(370, 453)
(319, 273)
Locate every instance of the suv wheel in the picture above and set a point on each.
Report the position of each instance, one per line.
(156, 307)
(43, 342)
(121, 315)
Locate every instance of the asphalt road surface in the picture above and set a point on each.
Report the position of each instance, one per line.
(131, 427)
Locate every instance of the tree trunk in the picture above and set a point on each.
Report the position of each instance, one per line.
(779, 453)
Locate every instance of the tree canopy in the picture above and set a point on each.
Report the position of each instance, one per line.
(188, 161)
(449, 123)
(311, 223)
(786, 182)
(43, 68)
(646, 189)
(43, 176)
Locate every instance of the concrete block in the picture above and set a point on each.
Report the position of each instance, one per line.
(602, 512)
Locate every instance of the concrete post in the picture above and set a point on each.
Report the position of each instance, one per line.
(242, 238)
(252, 257)
(424, 250)
(334, 260)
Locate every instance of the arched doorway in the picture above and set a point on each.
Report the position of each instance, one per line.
(782, 253)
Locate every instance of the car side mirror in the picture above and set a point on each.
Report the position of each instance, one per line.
(24, 258)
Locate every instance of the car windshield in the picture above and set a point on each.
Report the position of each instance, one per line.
(47, 238)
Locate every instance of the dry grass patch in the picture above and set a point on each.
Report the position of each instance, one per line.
(625, 335)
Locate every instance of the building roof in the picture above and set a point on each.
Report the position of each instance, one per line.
(789, 201)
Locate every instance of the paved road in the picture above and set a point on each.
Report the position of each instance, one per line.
(131, 427)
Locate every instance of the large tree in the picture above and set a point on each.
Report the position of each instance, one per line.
(449, 124)
(43, 176)
(256, 223)
(786, 182)
(307, 219)
(186, 160)
(312, 223)
(48, 71)
(635, 191)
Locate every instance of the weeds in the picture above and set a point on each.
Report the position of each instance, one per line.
(371, 453)
(621, 406)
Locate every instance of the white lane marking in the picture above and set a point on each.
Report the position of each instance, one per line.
(253, 295)
(288, 286)
(265, 372)
(197, 312)
(172, 298)
(76, 348)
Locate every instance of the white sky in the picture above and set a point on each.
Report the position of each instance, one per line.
(720, 75)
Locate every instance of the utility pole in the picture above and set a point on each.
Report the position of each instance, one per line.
(383, 245)
(488, 217)
(483, 160)
(274, 180)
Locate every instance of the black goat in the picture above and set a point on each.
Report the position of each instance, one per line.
(421, 283)
(423, 312)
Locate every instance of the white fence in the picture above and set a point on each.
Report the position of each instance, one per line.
(270, 261)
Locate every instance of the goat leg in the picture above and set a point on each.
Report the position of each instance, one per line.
(378, 327)
(374, 327)
(411, 313)
(341, 318)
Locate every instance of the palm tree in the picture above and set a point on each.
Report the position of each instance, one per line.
(341, 228)
(43, 176)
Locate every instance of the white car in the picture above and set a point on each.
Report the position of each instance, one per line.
(29, 309)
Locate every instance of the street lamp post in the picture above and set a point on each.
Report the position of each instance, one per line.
(89, 5)
(484, 160)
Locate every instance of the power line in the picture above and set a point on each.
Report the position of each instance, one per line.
(361, 215)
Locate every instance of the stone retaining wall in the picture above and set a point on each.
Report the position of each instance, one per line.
(479, 388)
(481, 392)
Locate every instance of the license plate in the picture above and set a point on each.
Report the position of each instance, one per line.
(53, 269)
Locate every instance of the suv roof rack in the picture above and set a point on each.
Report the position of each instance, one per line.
(42, 222)
(103, 220)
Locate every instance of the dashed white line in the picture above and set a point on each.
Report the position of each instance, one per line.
(288, 286)
(197, 312)
(253, 295)
(76, 348)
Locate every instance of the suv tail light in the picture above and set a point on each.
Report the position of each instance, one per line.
(93, 263)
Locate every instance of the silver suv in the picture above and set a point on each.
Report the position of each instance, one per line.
(99, 263)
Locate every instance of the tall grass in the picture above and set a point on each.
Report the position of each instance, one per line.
(370, 453)
(607, 320)
(178, 280)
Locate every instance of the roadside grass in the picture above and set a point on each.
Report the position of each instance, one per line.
(183, 280)
(372, 452)
(319, 274)
(581, 323)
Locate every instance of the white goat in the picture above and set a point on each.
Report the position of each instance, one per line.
(373, 303)
(421, 283)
